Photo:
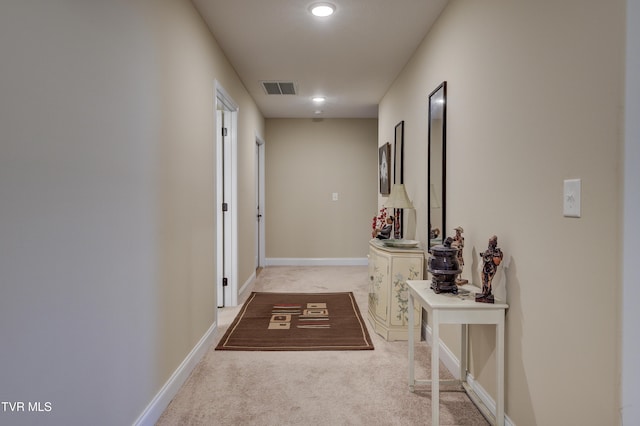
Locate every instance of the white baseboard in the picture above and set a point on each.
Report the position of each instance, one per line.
(161, 401)
(453, 365)
(247, 284)
(446, 356)
(299, 261)
(486, 398)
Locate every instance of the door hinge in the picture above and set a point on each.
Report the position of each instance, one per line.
(225, 282)
(224, 131)
(225, 207)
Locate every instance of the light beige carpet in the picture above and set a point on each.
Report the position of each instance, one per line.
(329, 388)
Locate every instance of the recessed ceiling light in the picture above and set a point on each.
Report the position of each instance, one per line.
(318, 99)
(322, 9)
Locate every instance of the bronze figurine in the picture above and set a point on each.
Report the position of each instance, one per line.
(458, 242)
(491, 258)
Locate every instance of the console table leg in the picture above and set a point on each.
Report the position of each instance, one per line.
(500, 372)
(411, 345)
(464, 363)
(435, 369)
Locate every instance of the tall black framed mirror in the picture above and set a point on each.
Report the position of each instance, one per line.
(398, 158)
(398, 176)
(437, 160)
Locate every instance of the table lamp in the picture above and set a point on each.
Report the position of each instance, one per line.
(398, 198)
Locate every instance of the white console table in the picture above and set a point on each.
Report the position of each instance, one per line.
(447, 308)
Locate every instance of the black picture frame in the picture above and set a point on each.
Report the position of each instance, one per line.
(384, 168)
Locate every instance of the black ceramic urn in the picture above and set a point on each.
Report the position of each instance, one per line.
(444, 267)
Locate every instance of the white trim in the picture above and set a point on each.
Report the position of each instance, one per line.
(486, 399)
(231, 251)
(453, 365)
(219, 221)
(296, 261)
(226, 98)
(161, 401)
(446, 356)
(232, 295)
(246, 285)
(261, 199)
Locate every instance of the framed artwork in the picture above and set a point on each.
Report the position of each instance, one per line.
(384, 168)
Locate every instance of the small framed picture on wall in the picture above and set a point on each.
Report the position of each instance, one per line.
(384, 168)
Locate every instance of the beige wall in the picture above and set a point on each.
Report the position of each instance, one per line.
(535, 95)
(250, 125)
(306, 161)
(107, 180)
(190, 62)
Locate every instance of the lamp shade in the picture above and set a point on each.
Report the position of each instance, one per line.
(398, 198)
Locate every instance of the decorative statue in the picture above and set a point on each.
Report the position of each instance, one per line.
(458, 242)
(385, 232)
(379, 222)
(491, 258)
(396, 226)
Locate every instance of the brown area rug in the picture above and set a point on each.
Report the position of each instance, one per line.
(297, 322)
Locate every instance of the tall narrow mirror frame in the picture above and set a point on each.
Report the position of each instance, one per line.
(398, 176)
(437, 160)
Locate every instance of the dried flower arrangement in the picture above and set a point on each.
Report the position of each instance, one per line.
(379, 222)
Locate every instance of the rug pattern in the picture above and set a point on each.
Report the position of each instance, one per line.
(297, 322)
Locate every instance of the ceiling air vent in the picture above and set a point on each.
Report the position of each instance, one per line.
(279, 87)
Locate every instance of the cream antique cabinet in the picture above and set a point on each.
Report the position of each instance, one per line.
(389, 270)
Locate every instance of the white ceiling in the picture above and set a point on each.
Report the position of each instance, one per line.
(351, 58)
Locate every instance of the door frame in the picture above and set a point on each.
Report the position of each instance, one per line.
(260, 197)
(227, 173)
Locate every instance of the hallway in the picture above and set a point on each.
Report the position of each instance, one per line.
(317, 387)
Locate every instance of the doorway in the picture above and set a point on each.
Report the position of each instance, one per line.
(226, 196)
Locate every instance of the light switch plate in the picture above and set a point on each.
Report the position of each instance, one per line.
(334, 196)
(571, 206)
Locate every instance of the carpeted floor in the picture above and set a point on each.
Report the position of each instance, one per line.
(333, 388)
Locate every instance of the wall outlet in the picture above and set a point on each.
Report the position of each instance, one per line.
(334, 196)
(571, 206)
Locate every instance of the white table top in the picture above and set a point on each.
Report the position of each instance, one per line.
(423, 291)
